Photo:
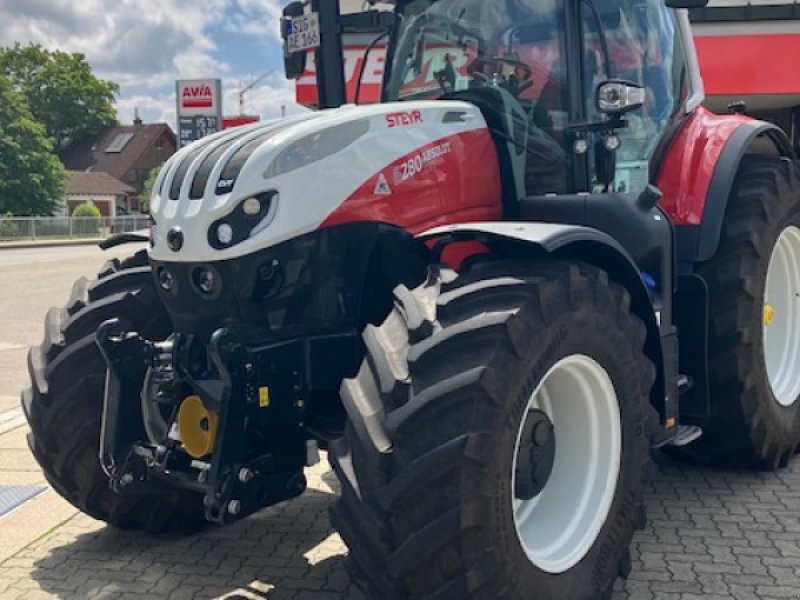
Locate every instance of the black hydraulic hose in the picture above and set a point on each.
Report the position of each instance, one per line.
(603, 40)
(363, 69)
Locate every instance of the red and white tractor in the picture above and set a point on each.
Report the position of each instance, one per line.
(489, 297)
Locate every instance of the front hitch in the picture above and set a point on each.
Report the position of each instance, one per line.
(241, 385)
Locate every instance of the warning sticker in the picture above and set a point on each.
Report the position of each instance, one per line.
(382, 187)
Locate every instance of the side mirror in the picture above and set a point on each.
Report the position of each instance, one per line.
(616, 97)
(294, 63)
(686, 3)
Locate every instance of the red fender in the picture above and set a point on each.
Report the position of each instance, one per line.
(689, 164)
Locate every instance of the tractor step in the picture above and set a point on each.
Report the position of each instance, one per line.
(683, 435)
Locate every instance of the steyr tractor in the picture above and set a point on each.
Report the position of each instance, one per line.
(488, 297)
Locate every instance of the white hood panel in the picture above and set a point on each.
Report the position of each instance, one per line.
(314, 162)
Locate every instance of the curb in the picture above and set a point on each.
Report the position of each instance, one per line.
(46, 244)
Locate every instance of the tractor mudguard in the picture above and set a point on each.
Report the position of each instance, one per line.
(741, 142)
(592, 246)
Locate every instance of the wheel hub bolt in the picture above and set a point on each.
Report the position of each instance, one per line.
(234, 507)
(246, 475)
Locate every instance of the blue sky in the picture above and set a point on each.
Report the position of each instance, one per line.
(145, 45)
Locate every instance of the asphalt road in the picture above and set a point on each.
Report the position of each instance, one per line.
(31, 281)
(711, 534)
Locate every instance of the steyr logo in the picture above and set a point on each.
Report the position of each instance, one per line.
(199, 96)
(402, 119)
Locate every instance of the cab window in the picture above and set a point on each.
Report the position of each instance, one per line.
(638, 42)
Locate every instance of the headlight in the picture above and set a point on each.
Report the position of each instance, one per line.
(205, 280)
(252, 215)
(225, 234)
(166, 279)
(251, 206)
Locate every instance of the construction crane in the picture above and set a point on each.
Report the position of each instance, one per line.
(243, 91)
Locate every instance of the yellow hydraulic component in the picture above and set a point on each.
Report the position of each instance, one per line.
(769, 315)
(198, 427)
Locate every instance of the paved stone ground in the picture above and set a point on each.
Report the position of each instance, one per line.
(711, 535)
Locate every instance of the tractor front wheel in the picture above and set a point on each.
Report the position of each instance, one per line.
(498, 437)
(64, 404)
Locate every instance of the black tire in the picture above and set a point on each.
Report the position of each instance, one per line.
(64, 403)
(433, 413)
(747, 426)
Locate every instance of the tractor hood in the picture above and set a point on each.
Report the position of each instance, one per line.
(250, 188)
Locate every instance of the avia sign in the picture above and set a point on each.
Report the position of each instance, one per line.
(199, 97)
(199, 108)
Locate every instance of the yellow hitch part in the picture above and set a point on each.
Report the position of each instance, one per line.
(198, 427)
(769, 315)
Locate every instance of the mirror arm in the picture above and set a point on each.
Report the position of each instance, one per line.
(614, 123)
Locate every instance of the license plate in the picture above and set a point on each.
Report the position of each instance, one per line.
(303, 33)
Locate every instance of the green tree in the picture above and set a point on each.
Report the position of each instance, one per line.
(62, 91)
(31, 176)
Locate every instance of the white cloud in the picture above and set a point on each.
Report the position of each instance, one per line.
(137, 43)
(145, 45)
(151, 108)
(258, 18)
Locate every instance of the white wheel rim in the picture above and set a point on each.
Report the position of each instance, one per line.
(559, 526)
(781, 319)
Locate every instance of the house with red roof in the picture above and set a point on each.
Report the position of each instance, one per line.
(113, 165)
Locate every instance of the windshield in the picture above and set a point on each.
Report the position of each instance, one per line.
(448, 46)
(452, 45)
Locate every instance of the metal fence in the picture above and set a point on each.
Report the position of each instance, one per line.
(67, 228)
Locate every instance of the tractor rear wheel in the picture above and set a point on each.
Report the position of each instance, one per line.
(498, 437)
(65, 401)
(754, 332)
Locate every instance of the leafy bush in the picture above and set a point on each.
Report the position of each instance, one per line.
(90, 221)
(86, 210)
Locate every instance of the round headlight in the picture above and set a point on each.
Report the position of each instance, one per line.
(581, 146)
(206, 281)
(251, 207)
(612, 143)
(166, 280)
(225, 233)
